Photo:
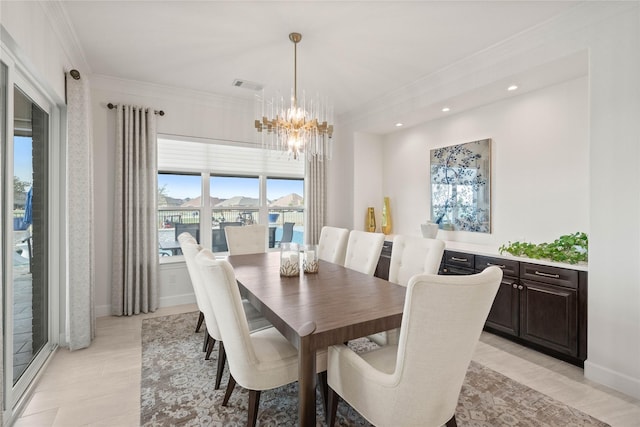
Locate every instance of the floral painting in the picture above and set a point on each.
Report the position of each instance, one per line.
(461, 187)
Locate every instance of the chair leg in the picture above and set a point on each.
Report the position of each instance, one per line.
(206, 341)
(227, 394)
(212, 341)
(452, 422)
(332, 406)
(254, 404)
(222, 359)
(322, 382)
(200, 319)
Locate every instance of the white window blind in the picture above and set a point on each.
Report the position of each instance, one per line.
(221, 157)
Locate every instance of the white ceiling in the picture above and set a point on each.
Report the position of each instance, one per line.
(352, 52)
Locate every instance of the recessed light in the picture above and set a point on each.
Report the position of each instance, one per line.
(399, 125)
(446, 109)
(512, 87)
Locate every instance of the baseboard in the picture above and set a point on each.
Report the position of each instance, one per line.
(103, 310)
(612, 379)
(170, 301)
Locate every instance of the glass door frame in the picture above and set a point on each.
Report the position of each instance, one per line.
(18, 76)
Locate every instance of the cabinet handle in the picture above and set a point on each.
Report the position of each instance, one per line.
(520, 287)
(496, 265)
(515, 286)
(458, 259)
(554, 276)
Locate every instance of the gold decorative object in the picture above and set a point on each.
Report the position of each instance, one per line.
(298, 128)
(386, 217)
(371, 220)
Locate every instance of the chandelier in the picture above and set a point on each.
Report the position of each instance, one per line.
(297, 127)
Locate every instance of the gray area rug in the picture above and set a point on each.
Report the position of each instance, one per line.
(177, 390)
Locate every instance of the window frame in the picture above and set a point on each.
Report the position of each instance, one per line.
(205, 210)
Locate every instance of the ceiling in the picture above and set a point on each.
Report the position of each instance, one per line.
(352, 52)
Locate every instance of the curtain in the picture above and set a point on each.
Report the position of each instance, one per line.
(80, 307)
(134, 287)
(317, 197)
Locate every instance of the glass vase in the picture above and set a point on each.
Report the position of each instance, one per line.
(289, 259)
(310, 262)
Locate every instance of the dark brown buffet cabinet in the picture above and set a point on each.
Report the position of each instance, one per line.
(539, 306)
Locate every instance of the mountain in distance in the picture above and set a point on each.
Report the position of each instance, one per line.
(292, 200)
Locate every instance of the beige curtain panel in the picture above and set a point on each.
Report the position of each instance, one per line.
(134, 287)
(80, 318)
(317, 199)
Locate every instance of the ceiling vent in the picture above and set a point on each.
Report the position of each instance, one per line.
(245, 84)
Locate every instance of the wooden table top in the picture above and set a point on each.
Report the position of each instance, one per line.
(335, 299)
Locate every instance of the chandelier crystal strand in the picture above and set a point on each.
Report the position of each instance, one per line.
(298, 128)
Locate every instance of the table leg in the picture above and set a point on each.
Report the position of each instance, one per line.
(306, 383)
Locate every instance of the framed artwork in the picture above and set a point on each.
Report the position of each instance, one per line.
(461, 187)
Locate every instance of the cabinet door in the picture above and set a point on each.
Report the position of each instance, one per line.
(382, 269)
(503, 315)
(548, 316)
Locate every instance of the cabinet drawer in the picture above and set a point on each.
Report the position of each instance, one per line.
(509, 267)
(459, 259)
(551, 275)
(448, 270)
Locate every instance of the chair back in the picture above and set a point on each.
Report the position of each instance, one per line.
(190, 249)
(224, 296)
(332, 244)
(363, 251)
(287, 232)
(413, 255)
(442, 321)
(193, 229)
(248, 239)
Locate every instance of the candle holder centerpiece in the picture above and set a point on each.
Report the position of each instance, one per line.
(289, 259)
(310, 262)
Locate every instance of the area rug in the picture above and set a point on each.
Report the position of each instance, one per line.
(177, 390)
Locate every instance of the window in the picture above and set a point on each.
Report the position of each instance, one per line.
(179, 209)
(243, 186)
(286, 204)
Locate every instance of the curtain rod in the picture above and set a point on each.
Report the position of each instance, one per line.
(112, 106)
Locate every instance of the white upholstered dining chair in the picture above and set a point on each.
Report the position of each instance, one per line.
(332, 244)
(410, 255)
(260, 360)
(191, 248)
(363, 251)
(246, 239)
(418, 381)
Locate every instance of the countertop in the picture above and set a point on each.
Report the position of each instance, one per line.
(494, 252)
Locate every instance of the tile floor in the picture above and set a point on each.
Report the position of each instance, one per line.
(100, 386)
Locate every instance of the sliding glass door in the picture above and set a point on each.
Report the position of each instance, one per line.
(26, 272)
(30, 219)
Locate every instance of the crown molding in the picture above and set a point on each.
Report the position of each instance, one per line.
(64, 31)
(549, 41)
(154, 90)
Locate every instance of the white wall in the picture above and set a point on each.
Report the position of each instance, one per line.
(368, 178)
(39, 43)
(187, 113)
(540, 165)
(610, 32)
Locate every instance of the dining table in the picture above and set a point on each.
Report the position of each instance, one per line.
(314, 311)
